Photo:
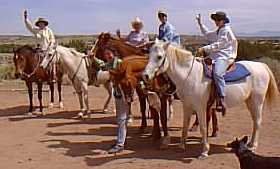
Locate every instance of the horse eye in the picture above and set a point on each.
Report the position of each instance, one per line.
(159, 57)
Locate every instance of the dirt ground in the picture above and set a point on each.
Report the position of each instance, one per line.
(58, 141)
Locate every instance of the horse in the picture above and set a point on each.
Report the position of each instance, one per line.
(75, 66)
(100, 77)
(127, 50)
(27, 68)
(194, 88)
(129, 75)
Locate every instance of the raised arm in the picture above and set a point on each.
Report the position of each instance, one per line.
(29, 25)
(219, 44)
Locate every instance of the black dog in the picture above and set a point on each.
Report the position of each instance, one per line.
(249, 160)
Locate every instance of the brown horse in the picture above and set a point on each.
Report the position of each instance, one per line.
(27, 67)
(128, 75)
(126, 50)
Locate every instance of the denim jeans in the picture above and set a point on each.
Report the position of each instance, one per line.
(220, 69)
(122, 110)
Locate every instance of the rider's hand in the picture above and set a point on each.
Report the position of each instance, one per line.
(118, 32)
(25, 14)
(198, 18)
(200, 52)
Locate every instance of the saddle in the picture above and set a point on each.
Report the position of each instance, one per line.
(235, 72)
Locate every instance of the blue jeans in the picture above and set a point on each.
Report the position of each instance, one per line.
(122, 110)
(220, 69)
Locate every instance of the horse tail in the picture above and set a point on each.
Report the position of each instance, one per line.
(272, 91)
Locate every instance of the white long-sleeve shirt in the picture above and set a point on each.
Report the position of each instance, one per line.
(223, 43)
(44, 37)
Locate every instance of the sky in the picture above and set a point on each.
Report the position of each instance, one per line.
(95, 16)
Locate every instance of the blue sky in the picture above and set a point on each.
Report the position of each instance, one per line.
(94, 16)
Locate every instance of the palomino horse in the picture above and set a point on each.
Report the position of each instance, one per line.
(129, 74)
(194, 88)
(27, 68)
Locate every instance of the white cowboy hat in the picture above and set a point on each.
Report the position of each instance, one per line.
(41, 20)
(135, 21)
(163, 12)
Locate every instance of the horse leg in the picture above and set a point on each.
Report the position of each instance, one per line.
(255, 105)
(30, 94)
(156, 129)
(208, 119)
(108, 87)
(170, 105)
(202, 124)
(85, 97)
(52, 95)
(142, 100)
(163, 118)
(195, 124)
(59, 84)
(214, 123)
(186, 122)
(40, 86)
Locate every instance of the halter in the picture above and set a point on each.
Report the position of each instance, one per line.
(28, 76)
(163, 62)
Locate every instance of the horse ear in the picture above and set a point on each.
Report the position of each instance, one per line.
(245, 139)
(156, 41)
(166, 45)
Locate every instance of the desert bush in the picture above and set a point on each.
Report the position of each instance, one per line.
(79, 45)
(274, 65)
(6, 71)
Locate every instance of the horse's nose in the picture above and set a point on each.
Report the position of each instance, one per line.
(16, 75)
(145, 77)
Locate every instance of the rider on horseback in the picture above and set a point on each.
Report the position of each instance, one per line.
(45, 40)
(222, 50)
(167, 31)
(136, 37)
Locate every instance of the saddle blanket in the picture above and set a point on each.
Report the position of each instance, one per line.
(238, 73)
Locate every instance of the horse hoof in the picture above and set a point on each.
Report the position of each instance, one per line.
(203, 156)
(193, 129)
(166, 140)
(51, 106)
(183, 146)
(61, 106)
(81, 115)
(130, 120)
(163, 147)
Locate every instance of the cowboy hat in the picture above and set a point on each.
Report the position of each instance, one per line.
(162, 12)
(219, 15)
(41, 20)
(136, 21)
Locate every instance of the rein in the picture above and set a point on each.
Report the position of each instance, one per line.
(77, 70)
(28, 76)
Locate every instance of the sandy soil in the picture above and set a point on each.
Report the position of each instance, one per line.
(57, 141)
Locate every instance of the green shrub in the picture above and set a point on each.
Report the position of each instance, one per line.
(7, 71)
(79, 45)
(274, 65)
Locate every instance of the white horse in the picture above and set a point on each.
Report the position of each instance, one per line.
(194, 88)
(74, 64)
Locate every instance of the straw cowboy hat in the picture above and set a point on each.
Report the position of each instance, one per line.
(219, 15)
(162, 12)
(136, 21)
(41, 20)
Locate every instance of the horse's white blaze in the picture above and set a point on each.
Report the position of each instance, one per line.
(194, 88)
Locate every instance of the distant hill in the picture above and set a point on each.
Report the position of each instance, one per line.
(261, 34)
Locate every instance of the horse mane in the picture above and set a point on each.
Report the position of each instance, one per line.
(25, 48)
(179, 54)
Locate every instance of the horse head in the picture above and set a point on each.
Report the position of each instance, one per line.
(21, 59)
(157, 61)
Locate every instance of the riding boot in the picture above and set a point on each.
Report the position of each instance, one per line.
(220, 105)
